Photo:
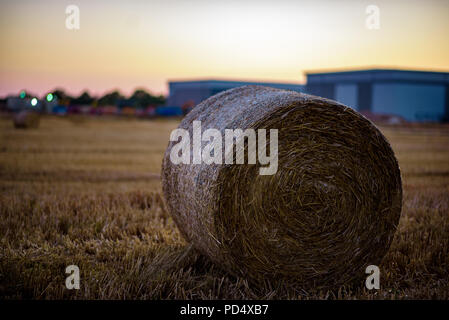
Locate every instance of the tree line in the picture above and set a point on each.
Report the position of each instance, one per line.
(139, 98)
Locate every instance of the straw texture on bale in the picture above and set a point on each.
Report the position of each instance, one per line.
(26, 119)
(329, 211)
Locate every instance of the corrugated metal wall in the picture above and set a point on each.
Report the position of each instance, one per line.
(414, 102)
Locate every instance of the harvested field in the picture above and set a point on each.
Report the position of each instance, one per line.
(86, 191)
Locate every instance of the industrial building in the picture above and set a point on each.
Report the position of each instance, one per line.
(190, 93)
(411, 95)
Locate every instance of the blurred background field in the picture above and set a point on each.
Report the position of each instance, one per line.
(86, 190)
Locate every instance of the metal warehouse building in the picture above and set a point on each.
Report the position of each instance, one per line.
(182, 92)
(413, 95)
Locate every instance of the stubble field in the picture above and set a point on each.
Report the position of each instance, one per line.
(86, 191)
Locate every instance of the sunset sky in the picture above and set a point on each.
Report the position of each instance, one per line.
(128, 44)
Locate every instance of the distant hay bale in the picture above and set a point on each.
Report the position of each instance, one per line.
(26, 119)
(329, 211)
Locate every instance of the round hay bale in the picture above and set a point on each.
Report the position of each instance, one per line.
(26, 119)
(329, 211)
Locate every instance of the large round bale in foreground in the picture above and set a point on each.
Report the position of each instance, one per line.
(330, 210)
(26, 119)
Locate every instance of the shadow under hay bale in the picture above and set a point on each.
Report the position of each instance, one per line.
(26, 119)
(329, 211)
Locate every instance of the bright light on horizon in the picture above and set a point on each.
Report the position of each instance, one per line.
(143, 44)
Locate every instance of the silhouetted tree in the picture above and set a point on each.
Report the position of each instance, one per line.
(61, 94)
(142, 98)
(110, 99)
(83, 99)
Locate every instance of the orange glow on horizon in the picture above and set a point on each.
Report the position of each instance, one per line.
(129, 44)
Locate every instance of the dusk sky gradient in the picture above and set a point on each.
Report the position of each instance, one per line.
(128, 44)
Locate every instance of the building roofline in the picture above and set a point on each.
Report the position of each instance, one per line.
(218, 80)
(372, 70)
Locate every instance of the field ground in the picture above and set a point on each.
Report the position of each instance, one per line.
(86, 191)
